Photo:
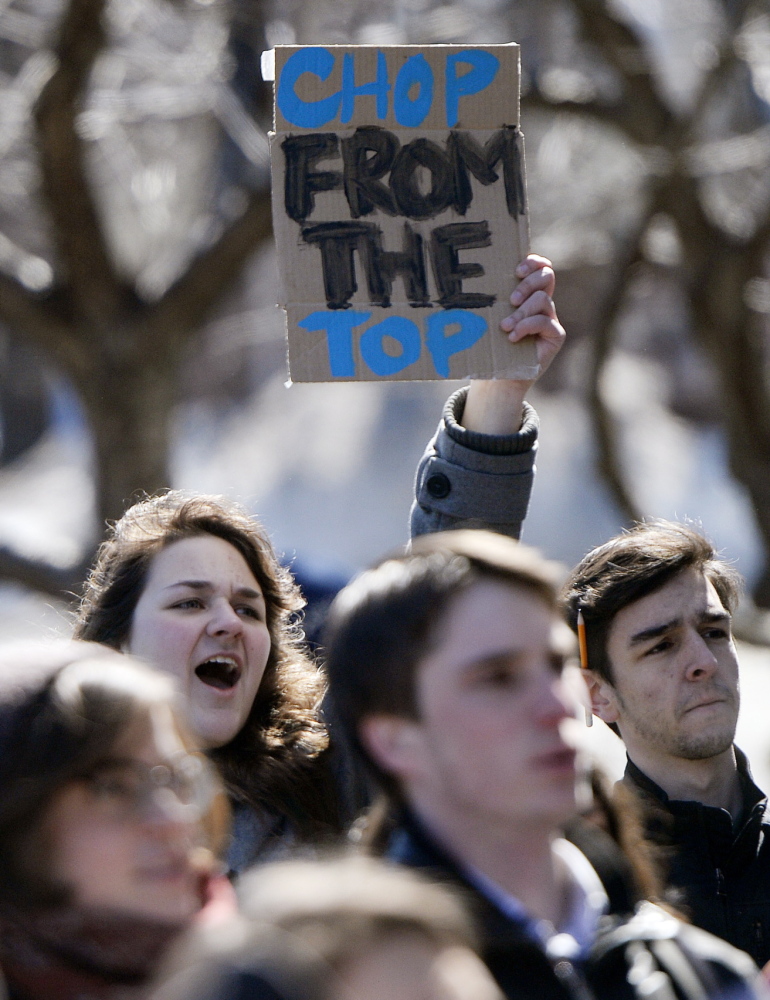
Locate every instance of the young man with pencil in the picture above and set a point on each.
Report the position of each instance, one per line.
(656, 604)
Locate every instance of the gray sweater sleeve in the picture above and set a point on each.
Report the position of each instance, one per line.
(470, 480)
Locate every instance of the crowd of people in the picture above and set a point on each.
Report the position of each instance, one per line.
(194, 805)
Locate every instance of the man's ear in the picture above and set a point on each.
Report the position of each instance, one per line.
(604, 699)
(393, 743)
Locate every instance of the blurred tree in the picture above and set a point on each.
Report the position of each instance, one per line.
(699, 119)
(109, 277)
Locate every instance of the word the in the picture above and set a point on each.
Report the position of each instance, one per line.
(400, 335)
(339, 241)
(412, 90)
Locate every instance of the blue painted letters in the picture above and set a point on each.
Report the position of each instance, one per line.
(379, 86)
(483, 70)
(400, 329)
(412, 111)
(443, 345)
(339, 336)
(307, 114)
(413, 89)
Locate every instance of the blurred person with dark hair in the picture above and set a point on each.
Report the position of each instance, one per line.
(446, 668)
(110, 826)
(657, 603)
(192, 585)
(349, 928)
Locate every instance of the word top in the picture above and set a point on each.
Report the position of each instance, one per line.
(399, 210)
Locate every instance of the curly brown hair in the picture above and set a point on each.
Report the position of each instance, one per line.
(279, 759)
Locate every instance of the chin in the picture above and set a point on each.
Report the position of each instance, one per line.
(704, 741)
(705, 746)
(212, 735)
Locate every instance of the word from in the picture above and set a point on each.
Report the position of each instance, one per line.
(372, 152)
(400, 334)
(412, 90)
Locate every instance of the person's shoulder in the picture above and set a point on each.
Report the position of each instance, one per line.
(669, 940)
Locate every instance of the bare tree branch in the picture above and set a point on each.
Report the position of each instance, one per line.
(41, 576)
(40, 321)
(20, 310)
(609, 114)
(183, 308)
(604, 424)
(76, 227)
(648, 118)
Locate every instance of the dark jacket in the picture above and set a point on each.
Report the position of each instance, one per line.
(721, 870)
(672, 960)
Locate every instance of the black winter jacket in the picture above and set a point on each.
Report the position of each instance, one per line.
(646, 955)
(722, 871)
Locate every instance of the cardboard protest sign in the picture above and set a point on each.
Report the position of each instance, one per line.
(399, 210)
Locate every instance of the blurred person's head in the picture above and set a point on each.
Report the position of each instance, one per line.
(345, 929)
(446, 672)
(103, 805)
(192, 585)
(657, 603)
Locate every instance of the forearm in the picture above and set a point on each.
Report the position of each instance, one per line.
(473, 478)
(494, 406)
(479, 469)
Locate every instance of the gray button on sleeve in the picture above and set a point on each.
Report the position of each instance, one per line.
(467, 479)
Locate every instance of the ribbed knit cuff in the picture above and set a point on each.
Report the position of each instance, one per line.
(489, 444)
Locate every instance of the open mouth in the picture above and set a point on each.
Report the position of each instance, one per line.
(219, 672)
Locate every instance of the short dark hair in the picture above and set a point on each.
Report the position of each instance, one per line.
(632, 565)
(63, 707)
(383, 623)
(277, 760)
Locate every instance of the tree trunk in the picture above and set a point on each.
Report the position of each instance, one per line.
(718, 270)
(130, 402)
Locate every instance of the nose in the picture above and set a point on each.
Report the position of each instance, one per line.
(224, 619)
(552, 703)
(164, 814)
(701, 662)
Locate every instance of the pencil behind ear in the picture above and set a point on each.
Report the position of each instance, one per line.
(583, 646)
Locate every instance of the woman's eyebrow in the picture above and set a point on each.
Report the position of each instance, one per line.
(249, 592)
(716, 617)
(192, 584)
(205, 585)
